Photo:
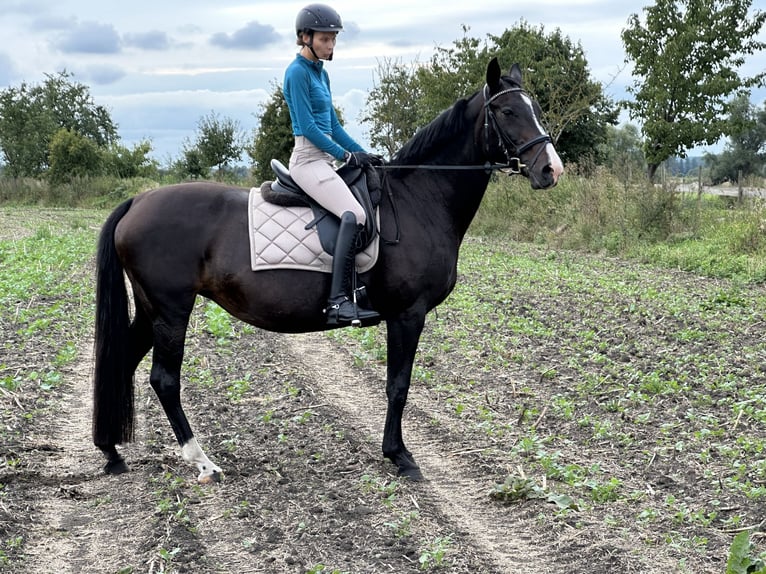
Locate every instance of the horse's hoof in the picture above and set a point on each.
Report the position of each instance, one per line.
(213, 478)
(407, 467)
(413, 473)
(116, 467)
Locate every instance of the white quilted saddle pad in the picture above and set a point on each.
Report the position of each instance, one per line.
(279, 239)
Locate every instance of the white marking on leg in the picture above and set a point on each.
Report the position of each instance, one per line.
(193, 454)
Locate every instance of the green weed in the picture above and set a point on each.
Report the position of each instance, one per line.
(741, 559)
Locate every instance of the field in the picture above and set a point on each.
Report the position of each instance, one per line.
(571, 413)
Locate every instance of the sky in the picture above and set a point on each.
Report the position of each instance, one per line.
(160, 66)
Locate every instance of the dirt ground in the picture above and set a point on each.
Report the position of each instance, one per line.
(299, 491)
(297, 494)
(295, 421)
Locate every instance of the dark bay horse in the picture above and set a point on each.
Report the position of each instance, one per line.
(180, 241)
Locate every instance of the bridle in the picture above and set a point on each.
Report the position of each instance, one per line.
(513, 165)
(503, 140)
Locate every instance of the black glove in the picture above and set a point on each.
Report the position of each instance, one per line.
(363, 159)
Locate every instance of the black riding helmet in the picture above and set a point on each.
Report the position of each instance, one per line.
(317, 18)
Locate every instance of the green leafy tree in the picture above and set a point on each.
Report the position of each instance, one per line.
(686, 55)
(72, 155)
(453, 72)
(220, 141)
(191, 164)
(26, 129)
(745, 153)
(391, 108)
(575, 108)
(622, 152)
(126, 162)
(30, 116)
(274, 138)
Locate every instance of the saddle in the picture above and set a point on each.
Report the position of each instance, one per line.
(364, 185)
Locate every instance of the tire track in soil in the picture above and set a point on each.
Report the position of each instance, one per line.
(502, 537)
(83, 520)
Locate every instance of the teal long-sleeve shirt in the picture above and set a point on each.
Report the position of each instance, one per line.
(307, 92)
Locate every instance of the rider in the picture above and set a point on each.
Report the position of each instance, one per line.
(319, 139)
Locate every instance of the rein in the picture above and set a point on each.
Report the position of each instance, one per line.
(487, 167)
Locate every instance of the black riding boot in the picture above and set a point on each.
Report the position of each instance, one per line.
(342, 308)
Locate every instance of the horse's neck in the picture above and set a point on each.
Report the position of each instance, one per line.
(447, 198)
(452, 196)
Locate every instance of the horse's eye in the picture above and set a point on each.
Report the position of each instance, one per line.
(507, 112)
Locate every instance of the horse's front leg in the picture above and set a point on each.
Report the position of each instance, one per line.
(403, 334)
(165, 379)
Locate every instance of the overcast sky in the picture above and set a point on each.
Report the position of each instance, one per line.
(160, 66)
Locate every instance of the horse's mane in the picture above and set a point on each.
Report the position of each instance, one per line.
(432, 137)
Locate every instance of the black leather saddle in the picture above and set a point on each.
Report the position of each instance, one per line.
(363, 183)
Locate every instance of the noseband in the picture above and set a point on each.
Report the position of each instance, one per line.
(514, 161)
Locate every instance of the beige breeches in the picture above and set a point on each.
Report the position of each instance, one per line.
(312, 169)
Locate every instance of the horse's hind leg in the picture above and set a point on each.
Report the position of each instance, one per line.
(139, 343)
(165, 379)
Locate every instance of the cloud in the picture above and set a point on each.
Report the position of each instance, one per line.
(153, 40)
(48, 22)
(104, 74)
(351, 30)
(89, 38)
(253, 35)
(23, 7)
(168, 118)
(7, 69)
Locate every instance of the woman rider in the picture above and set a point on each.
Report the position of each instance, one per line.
(320, 139)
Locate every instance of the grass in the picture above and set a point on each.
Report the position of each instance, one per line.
(709, 235)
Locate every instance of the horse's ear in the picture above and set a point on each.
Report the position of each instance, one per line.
(493, 73)
(516, 74)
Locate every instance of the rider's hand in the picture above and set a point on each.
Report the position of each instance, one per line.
(363, 159)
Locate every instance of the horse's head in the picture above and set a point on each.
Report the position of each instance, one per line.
(512, 132)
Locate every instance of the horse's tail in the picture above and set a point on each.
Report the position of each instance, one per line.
(113, 376)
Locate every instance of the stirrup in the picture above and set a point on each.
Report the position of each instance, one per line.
(346, 312)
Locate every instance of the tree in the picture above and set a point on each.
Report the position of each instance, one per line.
(575, 108)
(686, 56)
(391, 108)
(219, 141)
(453, 72)
(622, 152)
(30, 116)
(72, 155)
(126, 162)
(191, 163)
(26, 129)
(274, 138)
(745, 152)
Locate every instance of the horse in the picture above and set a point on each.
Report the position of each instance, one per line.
(179, 241)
